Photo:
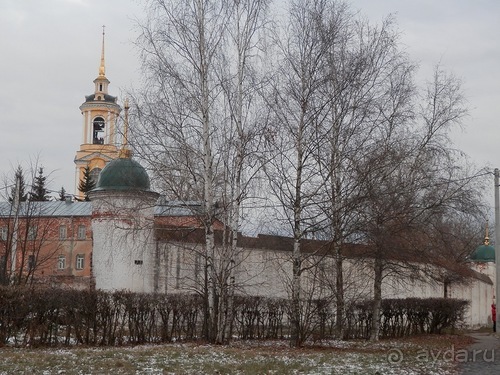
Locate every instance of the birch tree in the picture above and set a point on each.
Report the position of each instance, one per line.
(297, 111)
(240, 82)
(365, 72)
(415, 179)
(180, 42)
(350, 150)
(199, 123)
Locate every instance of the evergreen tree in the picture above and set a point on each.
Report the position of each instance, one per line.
(62, 194)
(22, 186)
(86, 183)
(39, 191)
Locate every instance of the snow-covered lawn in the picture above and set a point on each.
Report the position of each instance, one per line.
(429, 355)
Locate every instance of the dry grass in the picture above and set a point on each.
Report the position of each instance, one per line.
(252, 358)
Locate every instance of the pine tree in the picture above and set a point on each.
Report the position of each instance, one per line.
(39, 191)
(86, 183)
(22, 187)
(62, 194)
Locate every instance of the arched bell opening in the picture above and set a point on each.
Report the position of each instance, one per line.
(98, 131)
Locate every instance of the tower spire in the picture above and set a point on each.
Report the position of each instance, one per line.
(125, 152)
(102, 68)
(100, 123)
(101, 82)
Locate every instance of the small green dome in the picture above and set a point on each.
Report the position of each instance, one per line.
(123, 174)
(483, 253)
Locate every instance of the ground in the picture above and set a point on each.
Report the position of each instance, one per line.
(423, 355)
(483, 355)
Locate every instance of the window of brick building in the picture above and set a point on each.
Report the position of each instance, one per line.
(32, 232)
(82, 232)
(80, 261)
(63, 233)
(61, 262)
(3, 233)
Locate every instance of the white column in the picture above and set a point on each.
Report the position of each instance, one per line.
(107, 133)
(90, 135)
(84, 130)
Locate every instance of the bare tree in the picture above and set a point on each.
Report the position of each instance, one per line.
(415, 180)
(366, 78)
(26, 229)
(350, 151)
(242, 133)
(199, 122)
(298, 111)
(341, 83)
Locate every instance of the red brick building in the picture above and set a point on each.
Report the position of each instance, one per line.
(52, 241)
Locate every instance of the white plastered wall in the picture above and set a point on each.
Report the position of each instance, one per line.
(123, 250)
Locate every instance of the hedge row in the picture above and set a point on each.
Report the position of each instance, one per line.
(408, 316)
(70, 317)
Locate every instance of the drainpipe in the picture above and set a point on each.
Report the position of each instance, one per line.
(13, 255)
(497, 244)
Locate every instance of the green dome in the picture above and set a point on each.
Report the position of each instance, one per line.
(483, 253)
(123, 174)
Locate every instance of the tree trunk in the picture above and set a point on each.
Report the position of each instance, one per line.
(339, 286)
(295, 307)
(377, 298)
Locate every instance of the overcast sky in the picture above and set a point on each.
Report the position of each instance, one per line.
(50, 54)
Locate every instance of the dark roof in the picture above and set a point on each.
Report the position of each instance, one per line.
(484, 253)
(107, 98)
(177, 208)
(349, 250)
(123, 174)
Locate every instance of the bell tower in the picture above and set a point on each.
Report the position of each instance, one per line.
(99, 132)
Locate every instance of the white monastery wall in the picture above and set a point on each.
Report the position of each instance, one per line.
(127, 258)
(268, 274)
